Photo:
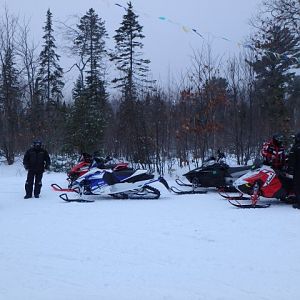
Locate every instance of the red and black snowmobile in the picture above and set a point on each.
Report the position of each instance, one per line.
(262, 182)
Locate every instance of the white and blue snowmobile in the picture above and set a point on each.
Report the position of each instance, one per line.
(213, 173)
(121, 184)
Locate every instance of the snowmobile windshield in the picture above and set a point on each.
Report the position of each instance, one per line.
(209, 162)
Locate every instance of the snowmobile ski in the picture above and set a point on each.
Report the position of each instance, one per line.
(181, 183)
(67, 199)
(233, 197)
(254, 199)
(58, 188)
(181, 192)
(250, 205)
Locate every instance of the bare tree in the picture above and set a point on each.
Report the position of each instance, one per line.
(206, 93)
(28, 58)
(9, 88)
(287, 12)
(240, 113)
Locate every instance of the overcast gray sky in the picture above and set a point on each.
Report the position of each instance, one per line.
(167, 44)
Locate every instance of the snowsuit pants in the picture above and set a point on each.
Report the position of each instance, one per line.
(297, 187)
(36, 178)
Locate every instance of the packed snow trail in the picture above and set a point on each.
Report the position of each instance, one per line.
(177, 247)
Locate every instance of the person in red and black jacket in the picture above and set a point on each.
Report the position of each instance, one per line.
(273, 152)
(35, 161)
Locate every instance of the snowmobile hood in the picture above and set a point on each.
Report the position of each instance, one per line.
(95, 172)
(245, 178)
(253, 176)
(268, 181)
(207, 168)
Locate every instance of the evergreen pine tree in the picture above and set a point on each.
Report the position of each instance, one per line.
(50, 81)
(133, 71)
(127, 56)
(277, 52)
(89, 116)
(50, 73)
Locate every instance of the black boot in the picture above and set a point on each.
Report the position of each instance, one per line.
(27, 196)
(296, 205)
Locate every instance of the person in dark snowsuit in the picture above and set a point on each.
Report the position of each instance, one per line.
(35, 161)
(294, 168)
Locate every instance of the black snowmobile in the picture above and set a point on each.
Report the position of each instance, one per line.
(213, 173)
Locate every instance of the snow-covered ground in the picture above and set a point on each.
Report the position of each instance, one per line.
(177, 247)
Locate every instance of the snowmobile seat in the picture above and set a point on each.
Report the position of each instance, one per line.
(110, 178)
(122, 174)
(140, 177)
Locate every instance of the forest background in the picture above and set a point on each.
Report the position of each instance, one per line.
(116, 107)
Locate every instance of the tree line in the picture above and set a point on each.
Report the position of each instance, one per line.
(230, 105)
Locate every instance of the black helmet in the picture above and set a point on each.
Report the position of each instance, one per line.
(278, 139)
(37, 144)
